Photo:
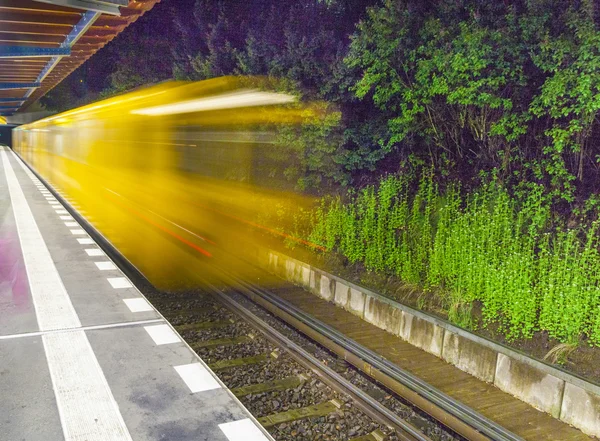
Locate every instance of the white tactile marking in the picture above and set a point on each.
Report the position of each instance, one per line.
(53, 306)
(197, 377)
(138, 305)
(78, 232)
(71, 224)
(242, 430)
(105, 266)
(85, 241)
(61, 211)
(87, 408)
(162, 334)
(94, 252)
(119, 282)
(66, 218)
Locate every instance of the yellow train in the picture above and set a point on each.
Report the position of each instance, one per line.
(175, 175)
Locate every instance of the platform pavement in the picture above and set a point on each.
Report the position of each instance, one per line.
(83, 355)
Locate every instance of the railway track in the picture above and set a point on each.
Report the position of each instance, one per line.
(296, 389)
(451, 413)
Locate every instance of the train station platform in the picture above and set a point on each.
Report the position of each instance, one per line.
(83, 355)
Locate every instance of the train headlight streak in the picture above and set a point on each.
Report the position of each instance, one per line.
(243, 98)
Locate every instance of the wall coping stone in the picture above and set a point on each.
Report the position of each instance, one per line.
(498, 347)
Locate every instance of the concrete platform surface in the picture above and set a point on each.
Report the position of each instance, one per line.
(83, 355)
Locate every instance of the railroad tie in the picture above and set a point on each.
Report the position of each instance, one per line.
(376, 435)
(203, 325)
(317, 410)
(270, 386)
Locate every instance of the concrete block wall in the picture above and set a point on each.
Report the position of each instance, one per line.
(552, 390)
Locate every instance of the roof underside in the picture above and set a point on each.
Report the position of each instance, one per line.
(43, 41)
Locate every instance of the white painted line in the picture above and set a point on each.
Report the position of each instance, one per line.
(71, 224)
(53, 306)
(61, 211)
(162, 334)
(85, 241)
(78, 231)
(94, 252)
(54, 204)
(83, 328)
(105, 266)
(66, 218)
(138, 305)
(87, 408)
(242, 430)
(197, 377)
(119, 282)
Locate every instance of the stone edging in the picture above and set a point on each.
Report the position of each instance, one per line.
(547, 388)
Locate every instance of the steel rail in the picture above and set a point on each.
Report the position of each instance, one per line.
(366, 403)
(442, 407)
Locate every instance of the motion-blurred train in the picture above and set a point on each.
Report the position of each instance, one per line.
(174, 173)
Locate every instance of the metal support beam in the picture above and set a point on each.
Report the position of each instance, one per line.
(32, 51)
(103, 6)
(9, 107)
(87, 20)
(12, 100)
(6, 86)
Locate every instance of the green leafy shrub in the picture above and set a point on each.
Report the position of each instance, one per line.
(487, 246)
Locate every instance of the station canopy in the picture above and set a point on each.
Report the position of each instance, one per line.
(43, 41)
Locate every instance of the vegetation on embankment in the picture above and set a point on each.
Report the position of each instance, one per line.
(506, 251)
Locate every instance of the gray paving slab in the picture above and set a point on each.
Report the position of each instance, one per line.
(154, 401)
(28, 409)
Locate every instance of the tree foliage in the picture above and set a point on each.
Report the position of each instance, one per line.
(481, 85)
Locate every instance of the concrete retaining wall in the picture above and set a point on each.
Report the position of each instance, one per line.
(552, 390)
